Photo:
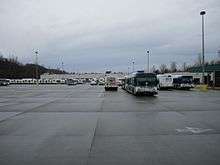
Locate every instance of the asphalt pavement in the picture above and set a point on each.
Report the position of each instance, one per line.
(84, 125)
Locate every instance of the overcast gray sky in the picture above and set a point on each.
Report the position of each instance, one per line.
(95, 35)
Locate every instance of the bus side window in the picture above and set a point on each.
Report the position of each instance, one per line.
(135, 82)
(132, 81)
(129, 81)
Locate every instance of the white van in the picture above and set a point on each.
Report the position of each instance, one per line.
(111, 83)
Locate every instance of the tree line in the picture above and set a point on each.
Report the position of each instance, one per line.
(11, 68)
(174, 67)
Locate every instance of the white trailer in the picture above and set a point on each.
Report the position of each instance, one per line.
(165, 81)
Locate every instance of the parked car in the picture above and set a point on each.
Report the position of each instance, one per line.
(4, 82)
(93, 83)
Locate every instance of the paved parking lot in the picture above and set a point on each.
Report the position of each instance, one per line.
(58, 124)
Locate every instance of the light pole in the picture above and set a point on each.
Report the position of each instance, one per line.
(62, 67)
(133, 65)
(202, 13)
(148, 61)
(36, 69)
(218, 54)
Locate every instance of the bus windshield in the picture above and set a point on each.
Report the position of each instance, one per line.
(143, 81)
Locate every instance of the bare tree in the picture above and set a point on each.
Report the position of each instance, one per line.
(218, 58)
(153, 69)
(13, 58)
(217, 62)
(1, 55)
(163, 68)
(199, 62)
(184, 67)
(218, 53)
(212, 62)
(173, 66)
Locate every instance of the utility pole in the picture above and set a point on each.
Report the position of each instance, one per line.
(62, 67)
(148, 61)
(202, 13)
(36, 64)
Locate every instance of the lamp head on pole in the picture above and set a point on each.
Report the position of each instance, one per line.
(148, 51)
(202, 13)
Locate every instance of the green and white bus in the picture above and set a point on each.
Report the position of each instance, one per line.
(141, 83)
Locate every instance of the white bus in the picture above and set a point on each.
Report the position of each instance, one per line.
(183, 82)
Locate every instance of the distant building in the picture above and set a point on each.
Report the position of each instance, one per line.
(208, 68)
(212, 74)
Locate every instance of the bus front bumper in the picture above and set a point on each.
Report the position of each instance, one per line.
(146, 90)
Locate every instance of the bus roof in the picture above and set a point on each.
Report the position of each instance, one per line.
(136, 74)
